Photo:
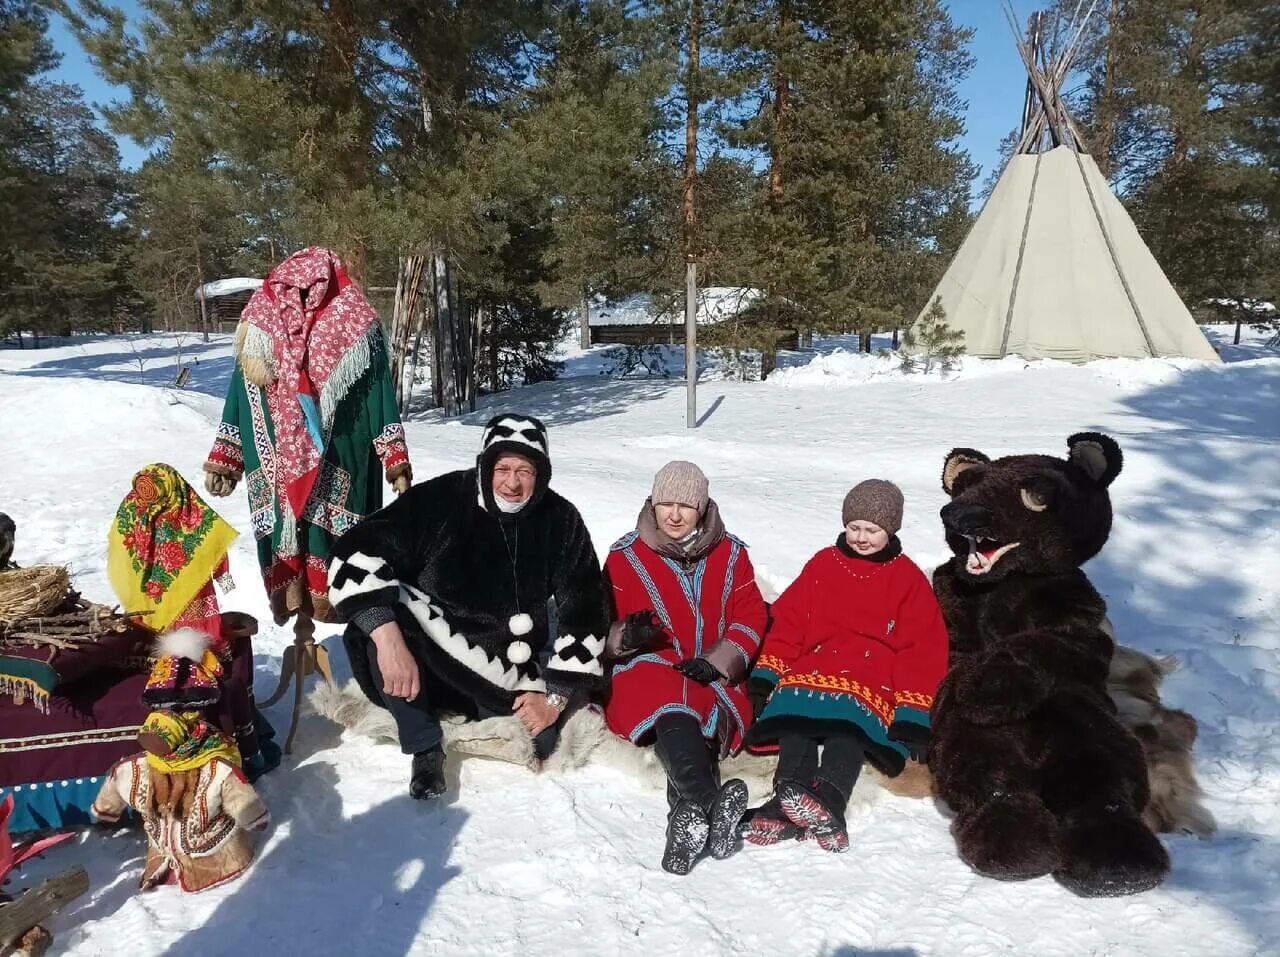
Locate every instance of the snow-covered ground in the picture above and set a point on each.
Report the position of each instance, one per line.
(514, 863)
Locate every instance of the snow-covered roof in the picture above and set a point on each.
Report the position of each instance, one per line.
(1249, 305)
(225, 287)
(715, 304)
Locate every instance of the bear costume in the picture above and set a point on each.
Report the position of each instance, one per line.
(1026, 746)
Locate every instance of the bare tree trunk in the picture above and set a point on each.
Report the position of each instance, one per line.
(584, 320)
(445, 322)
(495, 356)
(405, 319)
(1107, 95)
(864, 341)
(204, 310)
(425, 323)
(781, 116)
(690, 211)
(473, 350)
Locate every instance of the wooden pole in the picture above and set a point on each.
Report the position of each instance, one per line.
(691, 340)
(40, 904)
(690, 219)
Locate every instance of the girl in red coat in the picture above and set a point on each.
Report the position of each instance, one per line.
(851, 662)
(688, 618)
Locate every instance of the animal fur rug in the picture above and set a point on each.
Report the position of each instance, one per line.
(584, 740)
(1167, 736)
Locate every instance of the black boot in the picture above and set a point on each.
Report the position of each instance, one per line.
(817, 809)
(687, 830)
(726, 815)
(691, 771)
(766, 825)
(426, 780)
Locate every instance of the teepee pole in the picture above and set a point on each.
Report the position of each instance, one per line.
(1115, 258)
(1046, 73)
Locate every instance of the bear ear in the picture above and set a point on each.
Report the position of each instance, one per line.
(1097, 455)
(957, 461)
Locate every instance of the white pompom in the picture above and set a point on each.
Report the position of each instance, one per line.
(520, 624)
(518, 652)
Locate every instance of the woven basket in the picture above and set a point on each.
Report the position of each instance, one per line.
(28, 592)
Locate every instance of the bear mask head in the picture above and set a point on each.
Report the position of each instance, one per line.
(1029, 514)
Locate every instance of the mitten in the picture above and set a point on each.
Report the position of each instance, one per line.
(699, 670)
(401, 477)
(758, 691)
(219, 483)
(639, 629)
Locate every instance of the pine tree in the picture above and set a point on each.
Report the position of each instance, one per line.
(853, 104)
(63, 251)
(1170, 107)
(930, 343)
(592, 140)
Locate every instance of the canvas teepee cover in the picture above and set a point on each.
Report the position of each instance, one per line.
(1054, 266)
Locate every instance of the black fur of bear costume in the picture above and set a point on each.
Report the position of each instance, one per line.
(1026, 747)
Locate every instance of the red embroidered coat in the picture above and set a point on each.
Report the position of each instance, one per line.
(711, 607)
(855, 644)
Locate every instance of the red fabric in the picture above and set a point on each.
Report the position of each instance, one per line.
(314, 315)
(646, 686)
(854, 626)
(203, 613)
(11, 856)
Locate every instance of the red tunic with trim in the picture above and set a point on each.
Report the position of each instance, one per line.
(854, 644)
(714, 600)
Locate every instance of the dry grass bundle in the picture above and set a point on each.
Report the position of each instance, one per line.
(28, 592)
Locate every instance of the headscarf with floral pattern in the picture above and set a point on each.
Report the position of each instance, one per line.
(164, 549)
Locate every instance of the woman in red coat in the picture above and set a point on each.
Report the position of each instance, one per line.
(688, 619)
(852, 662)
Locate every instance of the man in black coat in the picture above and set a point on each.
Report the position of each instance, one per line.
(479, 593)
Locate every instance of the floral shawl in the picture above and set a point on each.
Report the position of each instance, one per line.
(163, 550)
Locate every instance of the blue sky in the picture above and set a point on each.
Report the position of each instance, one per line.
(993, 89)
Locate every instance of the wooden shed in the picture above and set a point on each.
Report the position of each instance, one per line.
(225, 299)
(638, 321)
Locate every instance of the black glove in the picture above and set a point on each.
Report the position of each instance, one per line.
(639, 629)
(699, 670)
(758, 691)
(914, 737)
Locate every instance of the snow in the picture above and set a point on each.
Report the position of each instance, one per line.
(514, 863)
(225, 287)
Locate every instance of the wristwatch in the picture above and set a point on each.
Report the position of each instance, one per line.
(557, 700)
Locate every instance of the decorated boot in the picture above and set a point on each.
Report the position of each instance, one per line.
(818, 810)
(766, 825)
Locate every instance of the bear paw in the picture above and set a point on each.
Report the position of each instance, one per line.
(1110, 853)
(999, 690)
(1012, 838)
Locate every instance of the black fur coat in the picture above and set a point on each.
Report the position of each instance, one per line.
(492, 605)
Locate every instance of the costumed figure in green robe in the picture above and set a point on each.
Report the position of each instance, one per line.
(310, 421)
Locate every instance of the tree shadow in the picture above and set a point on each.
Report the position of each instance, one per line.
(152, 365)
(710, 411)
(561, 402)
(371, 878)
(1210, 430)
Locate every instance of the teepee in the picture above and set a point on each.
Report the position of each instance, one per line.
(1054, 266)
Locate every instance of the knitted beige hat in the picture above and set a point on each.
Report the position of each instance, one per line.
(875, 501)
(682, 483)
